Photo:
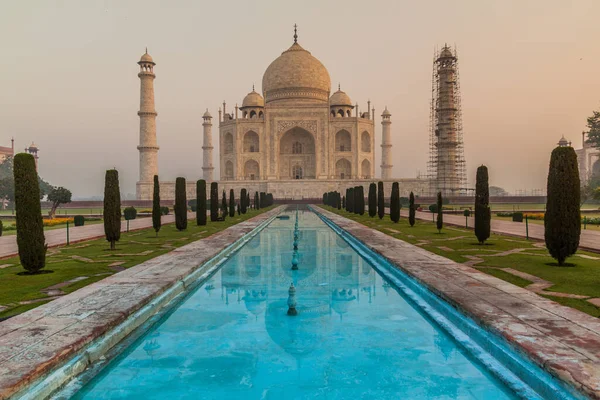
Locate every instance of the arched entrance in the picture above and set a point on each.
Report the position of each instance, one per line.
(251, 170)
(343, 169)
(297, 155)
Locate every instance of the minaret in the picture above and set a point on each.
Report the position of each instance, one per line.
(207, 148)
(386, 145)
(148, 147)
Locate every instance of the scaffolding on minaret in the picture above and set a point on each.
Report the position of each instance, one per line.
(446, 167)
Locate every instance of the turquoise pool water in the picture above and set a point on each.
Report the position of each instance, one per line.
(355, 337)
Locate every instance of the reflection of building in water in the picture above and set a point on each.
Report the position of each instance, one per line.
(332, 277)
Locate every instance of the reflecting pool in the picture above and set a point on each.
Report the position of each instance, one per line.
(354, 336)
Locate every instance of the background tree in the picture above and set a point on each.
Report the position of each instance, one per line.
(344, 202)
(380, 200)
(395, 203)
(180, 207)
(58, 195)
(112, 208)
(339, 200)
(30, 227)
(248, 200)
(356, 203)
(156, 211)
(497, 191)
(214, 202)
(483, 215)
(372, 200)
(562, 220)
(593, 132)
(350, 200)
(440, 212)
(201, 202)
(224, 210)
(231, 203)
(243, 198)
(256, 201)
(411, 209)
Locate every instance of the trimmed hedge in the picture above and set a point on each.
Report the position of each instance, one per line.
(231, 203)
(440, 212)
(411, 209)
(483, 216)
(79, 220)
(157, 211)
(380, 200)
(180, 207)
(214, 202)
(372, 200)
(201, 202)
(129, 213)
(112, 208)
(395, 203)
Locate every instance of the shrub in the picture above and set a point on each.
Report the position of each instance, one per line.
(380, 200)
(411, 209)
(517, 217)
(201, 202)
(164, 210)
(79, 220)
(483, 215)
(1, 227)
(214, 201)
(467, 213)
(562, 222)
(395, 203)
(433, 208)
(440, 213)
(157, 210)
(180, 207)
(193, 205)
(30, 229)
(112, 208)
(231, 203)
(372, 200)
(129, 213)
(243, 204)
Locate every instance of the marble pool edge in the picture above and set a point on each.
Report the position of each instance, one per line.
(33, 367)
(563, 341)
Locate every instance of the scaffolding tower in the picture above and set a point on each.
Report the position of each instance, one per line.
(446, 168)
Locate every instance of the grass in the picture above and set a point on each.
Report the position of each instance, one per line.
(49, 228)
(456, 243)
(541, 222)
(134, 248)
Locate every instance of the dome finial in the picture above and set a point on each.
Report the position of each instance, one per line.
(253, 87)
(295, 33)
(146, 49)
(339, 87)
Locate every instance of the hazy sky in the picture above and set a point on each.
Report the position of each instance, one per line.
(529, 73)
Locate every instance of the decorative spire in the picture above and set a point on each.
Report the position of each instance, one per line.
(295, 33)
(253, 87)
(146, 49)
(339, 87)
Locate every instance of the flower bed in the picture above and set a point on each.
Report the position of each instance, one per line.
(57, 221)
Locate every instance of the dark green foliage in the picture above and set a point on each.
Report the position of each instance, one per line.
(361, 200)
(339, 200)
(395, 203)
(112, 208)
(58, 195)
(411, 209)
(248, 200)
(180, 207)
(517, 217)
(201, 202)
(356, 203)
(256, 201)
(239, 211)
(1, 227)
(231, 203)
(157, 211)
(562, 220)
(214, 202)
(483, 214)
(193, 204)
(224, 209)
(164, 210)
(129, 213)
(372, 200)
(350, 200)
(440, 212)
(593, 133)
(380, 200)
(344, 202)
(467, 212)
(243, 199)
(79, 220)
(433, 208)
(30, 228)
(325, 198)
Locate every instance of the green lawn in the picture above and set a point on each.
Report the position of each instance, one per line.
(91, 259)
(583, 278)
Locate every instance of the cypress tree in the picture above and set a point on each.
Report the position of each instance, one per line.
(395, 203)
(380, 200)
(411, 209)
(356, 202)
(256, 201)
(440, 213)
(243, 204)
(239, 210)
(562, 220)
(201, 202)
(350, 200)
(344, 202)
(248, 200)
(231, 203)
(30, 227)
(372, 200)
(483, 215)
(156, 213)
(214, 202)
(224, 209)
(339, 200)
(112, 207)
(361, 200)
(180, 207)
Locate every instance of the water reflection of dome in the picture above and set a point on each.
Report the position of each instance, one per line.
(254, 242)
(341, 299)
(366, 268)
(344, 264)
(255, 301)
(252, 270)
(341, 243)
(307, 265)
(299, 335)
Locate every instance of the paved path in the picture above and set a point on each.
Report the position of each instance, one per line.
(57, 237)
(589, 240)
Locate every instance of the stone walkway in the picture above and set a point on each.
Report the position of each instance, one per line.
(36, 342)
(589, 240)
(562, 340)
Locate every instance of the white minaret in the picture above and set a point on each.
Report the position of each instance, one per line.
(386, 145)
(207, 148)
(148, 147)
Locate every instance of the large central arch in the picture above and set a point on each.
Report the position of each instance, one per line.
(297, 155)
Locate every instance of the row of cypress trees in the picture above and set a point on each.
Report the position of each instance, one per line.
(333, 199)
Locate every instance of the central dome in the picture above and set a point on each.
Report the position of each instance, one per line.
(297, 75)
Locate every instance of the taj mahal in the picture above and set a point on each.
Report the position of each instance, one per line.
(295, 139)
